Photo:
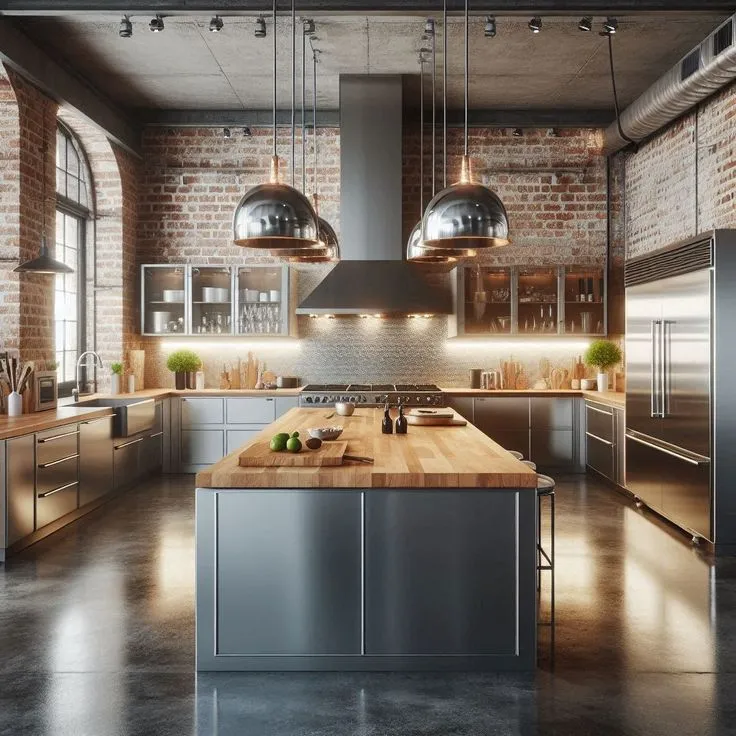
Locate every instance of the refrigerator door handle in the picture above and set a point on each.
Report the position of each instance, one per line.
(666, 351)
(693, 460)
(655, 377)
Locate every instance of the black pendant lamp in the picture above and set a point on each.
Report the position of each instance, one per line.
(275, 216)
(416, 251)
(466, 214)
(44, 262)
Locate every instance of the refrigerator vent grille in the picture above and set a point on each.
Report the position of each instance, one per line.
(685, 259)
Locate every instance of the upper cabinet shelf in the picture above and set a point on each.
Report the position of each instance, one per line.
(206, 301)
(521, 301)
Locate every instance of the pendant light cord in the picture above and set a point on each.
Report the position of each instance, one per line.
(293, 93)
(314, 124)
(615, 92)
(444, 95)
(421, 134)
(274, 78)
(434, 111)
(467, 67)
(304, 121)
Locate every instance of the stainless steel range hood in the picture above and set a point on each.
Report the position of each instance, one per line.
(373, 277)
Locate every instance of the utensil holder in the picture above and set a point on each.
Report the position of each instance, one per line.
(15, 404)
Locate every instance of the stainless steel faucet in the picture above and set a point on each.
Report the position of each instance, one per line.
(77, 392)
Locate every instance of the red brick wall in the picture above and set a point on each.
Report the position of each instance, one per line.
(683, 181)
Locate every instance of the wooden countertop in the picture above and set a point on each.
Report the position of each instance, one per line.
(426, 457)
(41, 420)
(163, 393)
(611, 398)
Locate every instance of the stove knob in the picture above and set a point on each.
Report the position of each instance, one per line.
(309, 399)
(429, 399)
(363, 399)
(324, 399)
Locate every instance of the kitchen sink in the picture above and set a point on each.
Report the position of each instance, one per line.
(130, 416)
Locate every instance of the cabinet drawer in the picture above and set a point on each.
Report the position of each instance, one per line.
(55, 444)
(600, 421)
(512, 440)
(126, 462)
(501, 413)
(202, 411)
(553, 448)
(236, 438)
(552, 413)
(601, 456)
(202, 446)
(55, 505)
(57, 473)
(251, 411)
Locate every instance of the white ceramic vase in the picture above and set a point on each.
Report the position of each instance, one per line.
(602, 381)
(131, 383)
(115, 383)
(15, 404)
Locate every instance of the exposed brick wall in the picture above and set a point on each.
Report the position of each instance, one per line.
(683, 181)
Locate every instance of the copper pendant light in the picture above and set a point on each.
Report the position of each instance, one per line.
(466, 214)
(276, 216)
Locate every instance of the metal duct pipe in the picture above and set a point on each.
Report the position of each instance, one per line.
(706, 69)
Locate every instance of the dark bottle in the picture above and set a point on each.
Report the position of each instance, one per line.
(387, 425)
(401, 423)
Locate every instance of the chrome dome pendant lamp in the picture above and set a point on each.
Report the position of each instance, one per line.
(466, 214)
(416, 251)
(275, 216)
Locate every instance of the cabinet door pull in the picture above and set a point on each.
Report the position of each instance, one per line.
(99, 419)
(60, 488)
(128, 444)
(57, 437)
(599, 439)
(57, 462)
(694, 460)
(600, 411)
(158, 434)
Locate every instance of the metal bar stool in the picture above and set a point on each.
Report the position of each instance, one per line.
(516, 454)
(546, 558)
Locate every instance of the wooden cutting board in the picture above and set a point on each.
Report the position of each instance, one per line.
(434, 421)
(436, 413)
(259, 455)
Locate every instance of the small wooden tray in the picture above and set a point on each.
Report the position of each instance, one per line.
(431, 421)
(260, 455)
(435, 413)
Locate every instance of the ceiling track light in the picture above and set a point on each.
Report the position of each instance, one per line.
(429, 28)
(586, 24)
(260, 27)
(489, 30)
(216, 24)
(157, 24)
(247, 132)
(535, 24)
(309, 28)
(609, 27)
(226, 133)
(126, 27)
(517, 132)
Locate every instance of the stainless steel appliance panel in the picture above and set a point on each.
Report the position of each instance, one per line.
(644, 474)
(427, 556)
(600, 455)
(20, 487)
(126, 461)
(61, 501)
(140, 416)
(553, 448)
(289, 573)
(95, 463)
(57, 443)
(50, 476)
(600, 421)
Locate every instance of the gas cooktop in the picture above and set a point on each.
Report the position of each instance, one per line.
(373, 394)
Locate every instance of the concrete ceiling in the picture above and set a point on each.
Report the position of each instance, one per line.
(186, 67)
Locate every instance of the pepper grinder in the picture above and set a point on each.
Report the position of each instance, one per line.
(401, 423)
(387, 425)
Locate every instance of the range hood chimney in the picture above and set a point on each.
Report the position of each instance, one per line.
(373, 277)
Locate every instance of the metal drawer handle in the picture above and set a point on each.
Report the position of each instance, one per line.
(600, 439)
(158, 434)
(60, 488)
(685, 458)
(57, 437)
(128, 444)
(99, 419)
(600, 411)
(57, 462)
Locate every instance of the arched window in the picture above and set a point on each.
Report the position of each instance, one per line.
(73, 214)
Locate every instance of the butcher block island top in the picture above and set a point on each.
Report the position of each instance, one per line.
(426, 457)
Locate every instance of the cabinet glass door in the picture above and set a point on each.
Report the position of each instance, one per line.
(211, 300)
(584, 301)
(164, 300)
(487, 301)
(538, 301)
(262, 301)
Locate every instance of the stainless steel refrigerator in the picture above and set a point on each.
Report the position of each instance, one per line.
(680, 308)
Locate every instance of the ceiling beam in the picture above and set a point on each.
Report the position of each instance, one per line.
(65, 87)
(542, 118)
(235, 7)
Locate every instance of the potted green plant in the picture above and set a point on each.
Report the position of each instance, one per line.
(116, 378)
(603, 354)
(184, 365)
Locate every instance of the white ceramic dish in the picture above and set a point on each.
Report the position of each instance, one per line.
(325, 433)
(344, 409)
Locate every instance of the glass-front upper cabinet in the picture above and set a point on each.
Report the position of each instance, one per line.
(212, 300)
(263, 306)
(487, 300)
(585, 299)
(538, 296)
(164, 300)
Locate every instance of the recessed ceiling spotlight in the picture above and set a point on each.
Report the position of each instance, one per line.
(309, 29)
(247, 132)
(216, 24)
(429, 28)
(226, 133)
(586, 24)
(126, 28)
(517, 133)
(535, 24)
(554, 133)
(609, 27)
(490, 27)
(260, 27)
(157, 24)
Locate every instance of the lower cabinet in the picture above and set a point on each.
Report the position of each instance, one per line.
(52, 505)
(604, 445)
(202, 446)
(126, 461)
(505, 420)
(238, 437)
(96, 461)
(20, 488)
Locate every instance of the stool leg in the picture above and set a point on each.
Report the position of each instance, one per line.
(552, 571)
(539, 545)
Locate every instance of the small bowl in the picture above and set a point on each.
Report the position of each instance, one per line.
(588, 384)
(345, 409)
(325, 433)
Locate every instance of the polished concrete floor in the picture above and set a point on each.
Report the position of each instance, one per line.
(97, 632)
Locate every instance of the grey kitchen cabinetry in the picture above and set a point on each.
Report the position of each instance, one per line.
(95, 465)
(605, 446)
(505, 420)
(20, 488)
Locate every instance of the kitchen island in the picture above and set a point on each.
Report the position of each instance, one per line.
(424, 560)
